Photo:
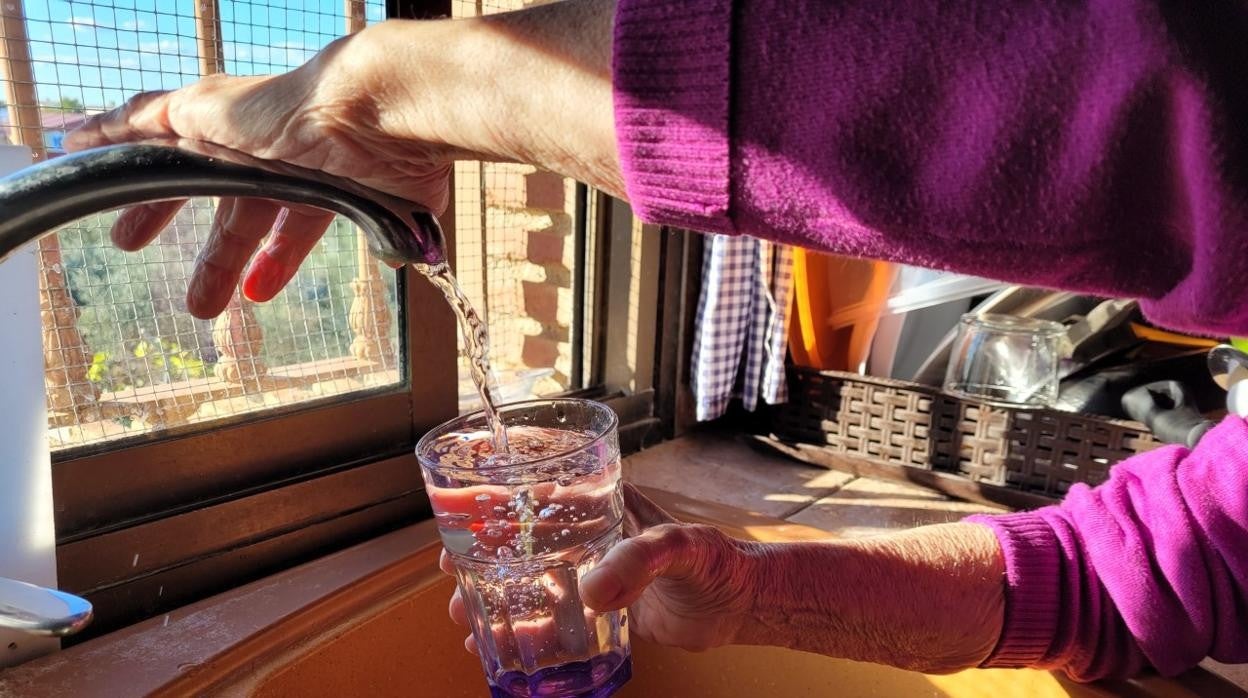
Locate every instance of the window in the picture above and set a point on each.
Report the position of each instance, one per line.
(520, 256)
(192, 456)
(124, 358)
(149, 367)
(211, 451)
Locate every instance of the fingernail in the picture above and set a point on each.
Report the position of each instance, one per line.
(264, 280)
(124, 229)
(600, 588)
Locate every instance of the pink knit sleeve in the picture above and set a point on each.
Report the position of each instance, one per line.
(1094, 145)
(1148, 569)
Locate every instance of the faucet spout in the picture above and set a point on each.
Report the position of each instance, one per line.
(39, 199)
(37, 611)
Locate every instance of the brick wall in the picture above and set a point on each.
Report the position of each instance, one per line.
(514, 252)
(514, 249)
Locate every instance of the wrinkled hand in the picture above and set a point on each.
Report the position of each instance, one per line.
(687, 586)
(324, 116)
(391, 107)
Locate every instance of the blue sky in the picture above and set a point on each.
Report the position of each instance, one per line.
(102, 52)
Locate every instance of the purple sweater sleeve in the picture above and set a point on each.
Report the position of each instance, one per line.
(1094, 145)
(1148, 569)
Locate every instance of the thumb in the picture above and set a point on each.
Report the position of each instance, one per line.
(667, 550)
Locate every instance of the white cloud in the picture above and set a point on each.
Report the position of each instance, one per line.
(83, 22)
(133, 24)
(165, 46)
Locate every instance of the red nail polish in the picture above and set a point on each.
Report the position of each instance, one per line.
(265, 279)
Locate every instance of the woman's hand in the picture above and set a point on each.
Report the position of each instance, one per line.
(929, 599)
(322, 116)
(685, 585)
(392, 108)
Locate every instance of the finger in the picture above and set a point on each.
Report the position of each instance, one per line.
(446, 564)
(237, 229)
(297, 231)
(215, 109)
(470, 644)
(137, 226)
(633, 564)
(457, 609)
(145, 115)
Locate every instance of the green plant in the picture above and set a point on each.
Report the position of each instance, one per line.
(176, 363)
(147, 363)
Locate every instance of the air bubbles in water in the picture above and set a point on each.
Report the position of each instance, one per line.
(482, 497)
(549, 511)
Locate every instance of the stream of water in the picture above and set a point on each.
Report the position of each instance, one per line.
(476, 345)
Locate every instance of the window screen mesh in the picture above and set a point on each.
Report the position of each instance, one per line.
(514, 254)
(122, 356)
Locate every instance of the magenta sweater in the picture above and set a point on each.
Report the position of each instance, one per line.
(1096, 145)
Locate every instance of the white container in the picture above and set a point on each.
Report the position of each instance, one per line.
(28, 546)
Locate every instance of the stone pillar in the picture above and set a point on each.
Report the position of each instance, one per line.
(369, 317)
(66, 358)
(240, 343)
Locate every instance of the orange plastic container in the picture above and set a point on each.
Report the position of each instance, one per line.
(837, 302)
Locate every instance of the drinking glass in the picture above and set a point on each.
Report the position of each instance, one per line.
(1005, 359)
(522, 529)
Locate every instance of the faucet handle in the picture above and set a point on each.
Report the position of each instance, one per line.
(34, 610)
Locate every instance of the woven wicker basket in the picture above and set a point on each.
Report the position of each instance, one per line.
(1038, 451)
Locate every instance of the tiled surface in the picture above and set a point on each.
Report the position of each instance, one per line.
(868, 507)
(717, 468)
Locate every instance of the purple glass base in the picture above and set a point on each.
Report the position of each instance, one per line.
(595, 678)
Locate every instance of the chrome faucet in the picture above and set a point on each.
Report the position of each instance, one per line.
(38, 200)
(34, 610)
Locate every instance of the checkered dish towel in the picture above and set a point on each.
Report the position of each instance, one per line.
(742, 329)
